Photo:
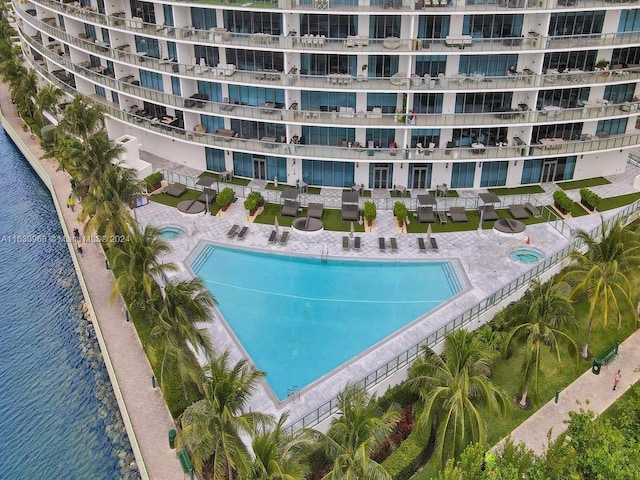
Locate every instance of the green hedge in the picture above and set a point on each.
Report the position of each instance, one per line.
(153, 180)
(405, 460)
(589, 198)
(562, 201)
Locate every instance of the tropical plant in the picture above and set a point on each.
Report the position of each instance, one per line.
(601, 274)
(279, 454)
(47, 98)
(225, 197)
(370, 213)
(253, 201)
(153, 181)
(562, 201)
(24, 93)
(138, 267)
(82, 118)
(90, 165)
(589, 198)
(104, 207)
(175, 335)
(215, 430)
(400, 211)
(543, 311)
(355, 434)
(450, 387)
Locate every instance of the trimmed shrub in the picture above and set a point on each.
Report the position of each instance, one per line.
(370, 212)
(153, 181)
(562, 201)
(406, 459)
(589, 199)
(253, 201)
(225, 197)
(400, 211)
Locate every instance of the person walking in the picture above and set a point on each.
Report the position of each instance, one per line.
(616, 379)
(70, 203)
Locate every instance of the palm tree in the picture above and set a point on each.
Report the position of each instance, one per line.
(82, 118)
(601, 273)
(47, 99)
(450, 387)
(278, 454)
(104, 207)
(356, 434)
(175, 336)
(12, 70)
(545, 310)
(89, 166)
(216, 425)
(138, 266)
(24, 92)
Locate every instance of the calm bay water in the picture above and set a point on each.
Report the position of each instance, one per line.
(58, 417)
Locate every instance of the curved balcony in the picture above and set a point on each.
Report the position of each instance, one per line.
(346, 117)
(355, 45)
(402, 83)
(361, 154)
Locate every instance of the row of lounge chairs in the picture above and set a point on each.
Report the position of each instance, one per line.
(236, 231)
(489, 213)
(346, 243)
(393, 244)
(423, 247)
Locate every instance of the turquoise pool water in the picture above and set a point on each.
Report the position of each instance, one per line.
(299, 318)
(171, 232)
(526, 255)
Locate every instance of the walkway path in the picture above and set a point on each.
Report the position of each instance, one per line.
(589, 391)
(150, 419)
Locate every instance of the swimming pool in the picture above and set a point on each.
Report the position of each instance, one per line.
(171, 232)
(526, 255)
(299, 318)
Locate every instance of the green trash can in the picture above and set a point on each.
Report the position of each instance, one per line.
(172, 438)
(597, 365)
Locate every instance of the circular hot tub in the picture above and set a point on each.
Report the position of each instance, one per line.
(526, 255)
(171, 232)
(308, 225)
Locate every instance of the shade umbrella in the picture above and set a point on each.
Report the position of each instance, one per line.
(352, 230)
(275, 224)
(429, 233)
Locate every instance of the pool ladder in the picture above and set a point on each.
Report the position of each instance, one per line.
(324, 255)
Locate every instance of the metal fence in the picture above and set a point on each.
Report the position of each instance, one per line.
(409, 355)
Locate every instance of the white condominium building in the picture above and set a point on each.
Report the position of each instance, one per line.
(468, 93)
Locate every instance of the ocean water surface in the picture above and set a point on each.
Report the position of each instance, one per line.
(59, 418)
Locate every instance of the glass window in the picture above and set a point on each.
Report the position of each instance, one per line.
(620, 93)
(256, 96)
(316, 64)
(101, 91)
(144, 10)
(430, 65)
(575, 23)
(331, 26)
(613, 126)
(215, 159)
(433, 26)
(148, 45)
(492, 26)
(565, 98)
(203, 18)
(425, 136)
(531, 171)
(168, 16)
(462, 174)
(383, 65)
(171, 51)
(629, 21)
(247, 21)
(329, 174)
(483, 102)
(212, 90)
(494, 174)
(386, 101)
(175, 86)
(626, 56)
(331, 136)
(381, 137)
(208, 53)
(568, 131)
(427, 103)
(566, 60)
(492, 65)
(327, 101)
(151, 80)
(211, 123)
(383, 26)
(255, 60)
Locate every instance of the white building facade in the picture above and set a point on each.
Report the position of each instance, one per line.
(469, 93)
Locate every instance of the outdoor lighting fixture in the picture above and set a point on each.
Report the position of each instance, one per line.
(446, 166)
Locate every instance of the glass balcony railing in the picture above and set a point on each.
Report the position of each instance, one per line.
(346, 116)
(532, 41)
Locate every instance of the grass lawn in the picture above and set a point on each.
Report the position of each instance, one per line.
(472, 224)
(619, 201)
(170, 201)
(330, 218)
(527, 189)
(589, 182)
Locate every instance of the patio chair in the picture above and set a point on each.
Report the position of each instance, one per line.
(382, 244)
(425, 215)
(458, 214)
(315, 210)
(489, 213)
(394, 244)
(345, 243)
(176, 190)
(284, 238)
(518, 211)
(421, 245)
(233, 231)
(434, 244)
(356, 243)
(272, 236)
(243, 233)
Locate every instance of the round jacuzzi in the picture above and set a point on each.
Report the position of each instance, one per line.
(525, 255)
(171, 232)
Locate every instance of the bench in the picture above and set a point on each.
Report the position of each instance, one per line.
(607, 357)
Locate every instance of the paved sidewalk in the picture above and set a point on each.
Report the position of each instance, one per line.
(145, 406)
(589, 391)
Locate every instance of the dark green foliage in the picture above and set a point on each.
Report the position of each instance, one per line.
(253, 201)
(404, 461)
(400, 211)
(225, 197)
(562, 201)
(153, 181)
(399, 394)
(370, 212)
(590, 199)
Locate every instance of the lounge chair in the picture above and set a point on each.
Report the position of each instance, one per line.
(211, 193)
(272, 236)
(458, 214)
(284, 238)
(425, 215)
(382, 244)
(345, 243)
(176, 190)
(394, 244)
(518, 211)
(434, 244)
(350, 213)
(489, 213)
(290, 208)
(421, 245)
(243, 233)
(315, 210)
(356, 243)
(442, 216)
(532, 209)
(233, 231)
